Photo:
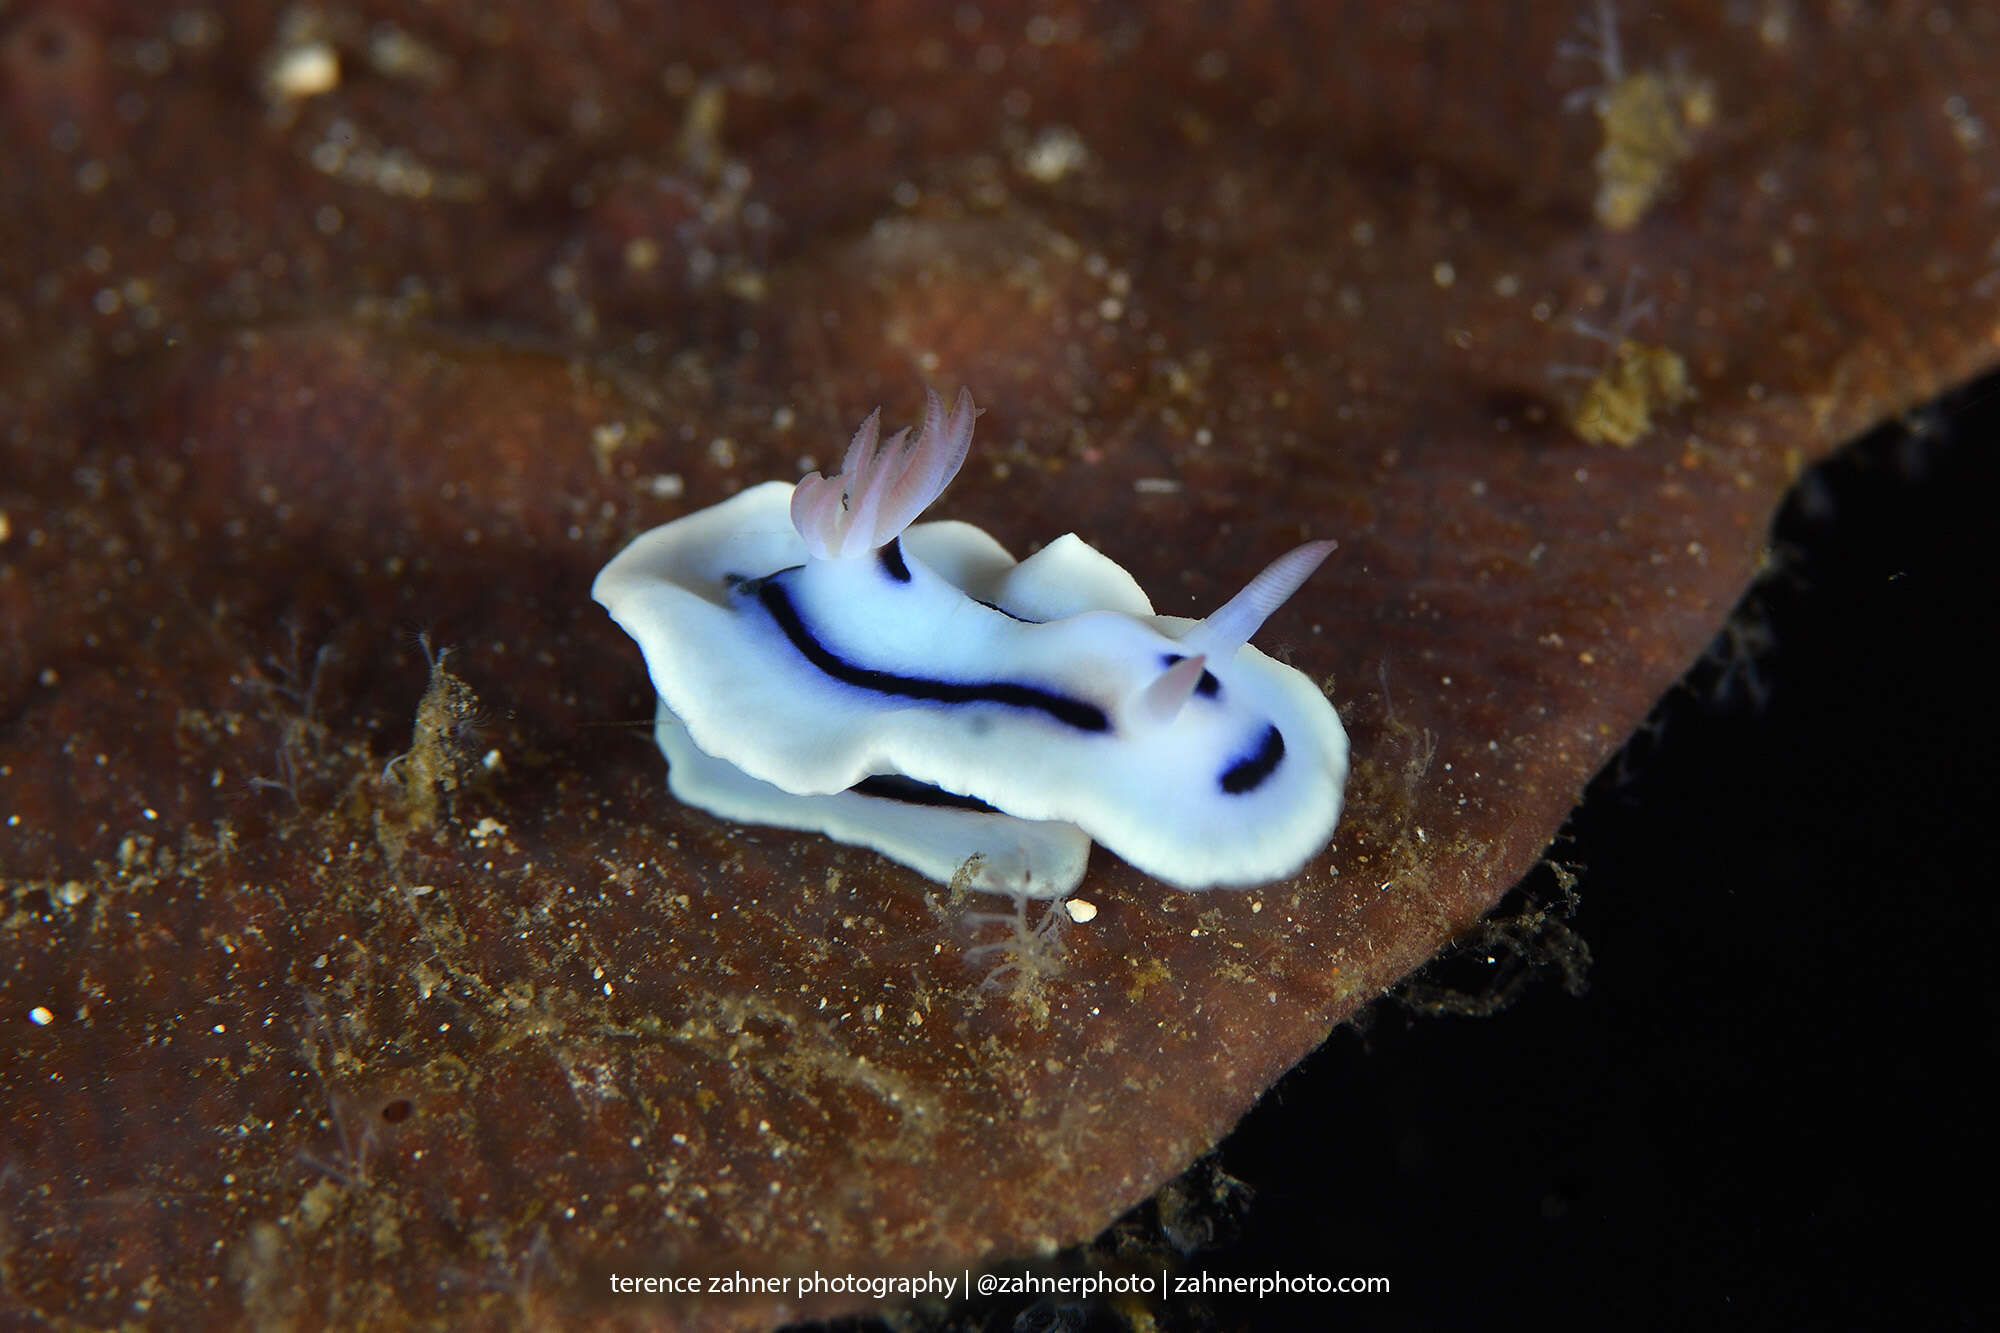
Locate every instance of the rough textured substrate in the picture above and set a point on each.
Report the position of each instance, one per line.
(303, 376)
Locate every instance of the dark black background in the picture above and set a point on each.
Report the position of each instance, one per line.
(1771, 1106)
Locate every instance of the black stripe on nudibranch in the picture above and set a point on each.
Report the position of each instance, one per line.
(1011, 694)
(1207, 687)
(891, 557)
(909, 791)
(1249, 773)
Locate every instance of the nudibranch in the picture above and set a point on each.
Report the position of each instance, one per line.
(822, 664)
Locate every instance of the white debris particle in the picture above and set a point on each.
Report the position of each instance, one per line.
(40, 1016)
(1055, 153)
(642, 254)
(665, 486)
(1968, 129)
(305, 70)
(608, 438)
(1156, 486)
(1080, 910)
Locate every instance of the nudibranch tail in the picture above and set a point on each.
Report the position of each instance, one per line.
(1244, 614)
(883, 485)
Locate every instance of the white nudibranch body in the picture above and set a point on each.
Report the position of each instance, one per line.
(822, 664)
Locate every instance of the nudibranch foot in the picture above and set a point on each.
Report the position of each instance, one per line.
(930, 831)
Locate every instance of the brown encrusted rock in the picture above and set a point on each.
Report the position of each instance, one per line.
(296, 1032)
